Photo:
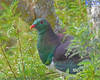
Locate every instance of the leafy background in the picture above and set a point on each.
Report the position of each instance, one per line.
(19, 57)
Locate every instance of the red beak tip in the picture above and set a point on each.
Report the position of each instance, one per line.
(32, 26)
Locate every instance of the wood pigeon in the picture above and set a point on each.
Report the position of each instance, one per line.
(52, 48)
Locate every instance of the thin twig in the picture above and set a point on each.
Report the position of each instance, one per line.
(3, 72)
(8, 62)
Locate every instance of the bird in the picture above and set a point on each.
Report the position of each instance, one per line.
(53, 47)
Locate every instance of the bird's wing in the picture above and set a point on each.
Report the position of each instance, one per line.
(63, 62)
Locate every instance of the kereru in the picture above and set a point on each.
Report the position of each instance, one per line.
(52, 48)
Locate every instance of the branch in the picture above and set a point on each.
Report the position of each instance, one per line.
(8, 62)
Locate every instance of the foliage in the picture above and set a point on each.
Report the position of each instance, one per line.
(71, 12)
(19, 58)
(73, 18)
(18, 53)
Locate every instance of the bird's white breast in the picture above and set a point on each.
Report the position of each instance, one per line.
(53, 68)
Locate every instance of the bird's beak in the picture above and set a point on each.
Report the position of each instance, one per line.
(32, 26)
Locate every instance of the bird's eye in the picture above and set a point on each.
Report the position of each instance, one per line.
(41, 22)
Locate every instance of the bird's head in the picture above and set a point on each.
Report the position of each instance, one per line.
(40, 24)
